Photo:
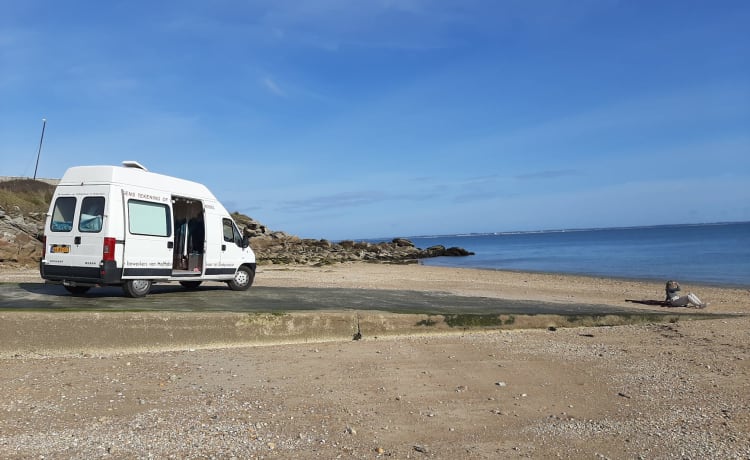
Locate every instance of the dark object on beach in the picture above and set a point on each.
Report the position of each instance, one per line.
(586, 335)
(660, 303)
(552, 328)
(358, 334)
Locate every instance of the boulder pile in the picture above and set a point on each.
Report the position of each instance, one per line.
(20, 237)
(23, 207)
(274, 247)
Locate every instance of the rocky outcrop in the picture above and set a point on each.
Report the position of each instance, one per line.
(294, 250)
(274, 247)
(20, 237)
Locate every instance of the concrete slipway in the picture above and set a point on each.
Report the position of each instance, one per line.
(44, 319)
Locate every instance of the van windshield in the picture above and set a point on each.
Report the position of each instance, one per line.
(62, 214)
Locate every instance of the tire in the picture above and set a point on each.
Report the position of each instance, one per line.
(136, 288)
(77, 290)
(190, 285)
(243, 279)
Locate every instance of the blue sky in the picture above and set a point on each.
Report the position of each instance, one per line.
(356, 119)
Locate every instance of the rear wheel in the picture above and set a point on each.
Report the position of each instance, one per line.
(190, 284)
(78, 290)
(243, 279)
(136, 288)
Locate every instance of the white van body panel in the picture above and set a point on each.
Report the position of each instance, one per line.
(111, 224)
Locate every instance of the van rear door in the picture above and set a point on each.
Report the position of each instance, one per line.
(149, 239)
(75, 235)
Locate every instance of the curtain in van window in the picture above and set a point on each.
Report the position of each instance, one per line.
(63, 213)
(92, 214)
(147, 218)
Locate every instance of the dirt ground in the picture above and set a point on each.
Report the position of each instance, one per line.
(667, 390)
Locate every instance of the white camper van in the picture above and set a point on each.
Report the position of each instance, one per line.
(126, 226)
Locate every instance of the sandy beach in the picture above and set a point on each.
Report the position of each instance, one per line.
(663, 390)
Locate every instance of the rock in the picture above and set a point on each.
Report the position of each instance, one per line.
(402, 242)
(457, 252)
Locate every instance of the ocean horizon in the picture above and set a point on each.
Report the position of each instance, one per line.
(707, 253)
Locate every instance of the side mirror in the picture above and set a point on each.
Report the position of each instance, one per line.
(245, 242)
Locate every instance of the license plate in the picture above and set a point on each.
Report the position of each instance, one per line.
(60, 249)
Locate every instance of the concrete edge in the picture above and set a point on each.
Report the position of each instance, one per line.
(80, 333)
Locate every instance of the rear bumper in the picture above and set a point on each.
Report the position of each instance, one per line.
(106, 273)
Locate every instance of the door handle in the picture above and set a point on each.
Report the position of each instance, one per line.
(77, 240)
(223, 247)
(170, 244)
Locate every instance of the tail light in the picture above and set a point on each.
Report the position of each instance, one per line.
(44, 246)
(108, 251)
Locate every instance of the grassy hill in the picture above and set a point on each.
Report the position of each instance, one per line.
(25, 196)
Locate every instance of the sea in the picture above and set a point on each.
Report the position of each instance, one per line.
(714, 254)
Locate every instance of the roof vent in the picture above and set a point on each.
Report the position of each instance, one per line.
(134, 164)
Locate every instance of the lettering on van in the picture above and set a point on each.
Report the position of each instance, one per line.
(140, 263)
(145, 196)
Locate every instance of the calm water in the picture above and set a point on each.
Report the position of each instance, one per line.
(711, 253)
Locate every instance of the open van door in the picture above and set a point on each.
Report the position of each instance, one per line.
(149, 242)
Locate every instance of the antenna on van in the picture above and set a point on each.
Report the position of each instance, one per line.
(133, 164)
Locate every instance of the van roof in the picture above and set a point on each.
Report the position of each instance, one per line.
(105, 175)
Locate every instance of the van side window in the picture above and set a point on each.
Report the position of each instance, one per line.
(62, 214)
(228, 230)
(147, 218)
(92, 214)
(231, 233)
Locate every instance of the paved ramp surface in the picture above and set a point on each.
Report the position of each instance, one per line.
(36, 318)
(173, 297)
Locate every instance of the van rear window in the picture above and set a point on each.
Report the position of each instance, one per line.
(62, 214)
(147, 218)
(92, 214)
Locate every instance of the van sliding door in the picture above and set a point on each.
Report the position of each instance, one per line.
(149, 240)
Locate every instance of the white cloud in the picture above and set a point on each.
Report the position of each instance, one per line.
(273, 87)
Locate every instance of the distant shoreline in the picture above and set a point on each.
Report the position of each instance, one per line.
(559, 230)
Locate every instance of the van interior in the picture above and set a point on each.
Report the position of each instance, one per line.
(189, 236)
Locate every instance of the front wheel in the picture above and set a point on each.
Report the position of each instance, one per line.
(136, 288)
(243, 279)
